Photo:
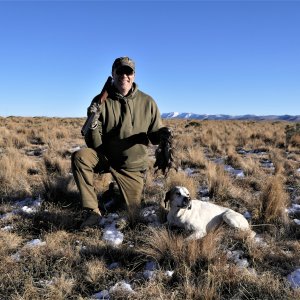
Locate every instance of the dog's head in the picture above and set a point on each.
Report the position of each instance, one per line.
(179, 197)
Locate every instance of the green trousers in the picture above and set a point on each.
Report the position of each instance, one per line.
(87, 161)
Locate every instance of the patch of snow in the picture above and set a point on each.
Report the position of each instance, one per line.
(121, 286)
(149, 214)
(230, 169)
(101, 295)
(266, 163)
(219, 161)
(150, 268)
(297, 221)
(242, 151)
(295, 208)
(7, 228)
(233, 171)
(110, 233)
(148, 274)
(28, 210)
(255, 151)
(29, 202)
(236, 257)
(31, 244)
(27, 205)
(6, 216)
(294, 279)
(35, 243)
(189, 171)
(247, 215)
(258, 239)
(169, 273)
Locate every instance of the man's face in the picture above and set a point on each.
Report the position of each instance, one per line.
(123, 79)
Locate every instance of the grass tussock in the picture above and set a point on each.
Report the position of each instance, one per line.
(69, 263)
(219, 183)
(274, 201)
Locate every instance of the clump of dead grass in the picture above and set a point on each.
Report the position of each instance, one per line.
(219, 182)
(274, 201)
(13, 173)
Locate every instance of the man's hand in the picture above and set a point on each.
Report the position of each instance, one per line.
(164, 152)
(95, 110)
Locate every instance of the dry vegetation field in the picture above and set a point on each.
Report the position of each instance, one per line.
(252, 167)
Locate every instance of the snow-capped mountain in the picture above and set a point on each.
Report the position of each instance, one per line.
(177, 115)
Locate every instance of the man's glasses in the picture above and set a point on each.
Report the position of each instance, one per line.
(124, 70)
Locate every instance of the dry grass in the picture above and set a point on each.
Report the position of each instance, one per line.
(274, 201)
(72, 264)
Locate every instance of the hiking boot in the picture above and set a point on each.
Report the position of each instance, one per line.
(92, 218)
(111, 199)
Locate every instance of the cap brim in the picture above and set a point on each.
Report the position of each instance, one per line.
(124, 65)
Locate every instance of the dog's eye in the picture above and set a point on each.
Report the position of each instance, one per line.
(178, 193)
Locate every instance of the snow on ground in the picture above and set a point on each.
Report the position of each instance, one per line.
(297, 221)
(150, 215)
(247, 215)
(294, 279)
(28, 205)
(150, 268)
(24, 206)
(111, 234)
(120, 286)
(237, 257)
(235, 172)
(34, 243)
(7, 228)
(30, 244)
(189, 171)
(294, 209)
(149, 273)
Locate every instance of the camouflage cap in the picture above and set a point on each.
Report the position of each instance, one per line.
(123, 61)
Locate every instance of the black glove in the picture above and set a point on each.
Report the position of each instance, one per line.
(164, 152)
(94, 109)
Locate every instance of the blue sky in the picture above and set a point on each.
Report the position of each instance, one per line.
(213, 57)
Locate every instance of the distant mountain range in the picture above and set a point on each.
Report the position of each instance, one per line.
(177, 115)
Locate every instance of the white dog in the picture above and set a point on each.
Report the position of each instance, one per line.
(198, 216)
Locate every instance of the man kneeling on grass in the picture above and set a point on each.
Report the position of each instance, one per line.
(117, 140)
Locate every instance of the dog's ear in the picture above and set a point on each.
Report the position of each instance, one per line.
(167, 198)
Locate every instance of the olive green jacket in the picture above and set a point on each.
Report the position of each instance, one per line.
(125, 127)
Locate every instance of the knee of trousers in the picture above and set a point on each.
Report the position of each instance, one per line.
(82, 157)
